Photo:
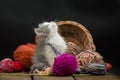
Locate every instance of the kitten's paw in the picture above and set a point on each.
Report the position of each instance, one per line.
(32, 68)
(38, 66)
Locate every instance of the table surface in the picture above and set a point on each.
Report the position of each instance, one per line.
(23, 76)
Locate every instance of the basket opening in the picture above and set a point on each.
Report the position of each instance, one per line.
(74, 34)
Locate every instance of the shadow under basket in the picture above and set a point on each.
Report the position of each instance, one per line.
(75, 32)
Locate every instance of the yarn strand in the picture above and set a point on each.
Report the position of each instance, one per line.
(56, 51)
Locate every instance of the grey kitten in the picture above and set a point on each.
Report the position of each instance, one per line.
(44, 54)
(39, 61)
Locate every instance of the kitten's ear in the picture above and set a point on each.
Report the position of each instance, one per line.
(36, 31)
(54, 24)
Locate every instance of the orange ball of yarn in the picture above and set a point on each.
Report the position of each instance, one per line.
(23, 54)
(108, 66)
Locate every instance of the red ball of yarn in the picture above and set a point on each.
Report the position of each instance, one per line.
(6, 65)
(108, 66)
(17, 67)
(64, 65)
(23, 55)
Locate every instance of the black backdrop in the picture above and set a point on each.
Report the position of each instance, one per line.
(100, 17)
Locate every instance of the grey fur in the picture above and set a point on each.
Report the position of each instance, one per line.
(44, 55)
(39, 61)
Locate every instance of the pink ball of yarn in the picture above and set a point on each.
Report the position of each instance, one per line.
(6, 65)
(64, 65)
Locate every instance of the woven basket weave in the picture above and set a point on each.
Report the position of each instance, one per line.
(76, 33)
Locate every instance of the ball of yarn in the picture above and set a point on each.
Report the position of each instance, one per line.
(17, 67)
(23, 55)
(95, 68)
(108, 66)
(73, 48)
(6, 65)
(86, 57)
(64, 65)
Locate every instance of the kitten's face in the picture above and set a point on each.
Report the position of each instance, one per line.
(49, 27)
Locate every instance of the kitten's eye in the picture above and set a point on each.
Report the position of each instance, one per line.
(41, 28)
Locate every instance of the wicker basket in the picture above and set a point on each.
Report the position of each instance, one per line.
(76, 33)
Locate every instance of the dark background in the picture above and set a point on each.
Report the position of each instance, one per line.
(100, 17)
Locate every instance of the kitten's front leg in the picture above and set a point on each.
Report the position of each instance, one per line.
(39, 66)
(39, 60)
